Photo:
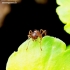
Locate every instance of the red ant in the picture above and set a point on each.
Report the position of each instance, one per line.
(35, 34)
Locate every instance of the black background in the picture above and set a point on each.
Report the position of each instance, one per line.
(26, 16)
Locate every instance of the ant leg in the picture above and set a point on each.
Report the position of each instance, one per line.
(44, 32)
(29, 36)
(40, 43)
(30, 32)
(41, 30)
(33, 39)
(29, 41)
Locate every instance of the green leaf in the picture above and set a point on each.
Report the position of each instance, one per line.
(65, 61)
(63, 2)
(64, 13)
(53, 56)
(67, 28)
(68, 47)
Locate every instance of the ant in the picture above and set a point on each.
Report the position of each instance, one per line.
(35, 34)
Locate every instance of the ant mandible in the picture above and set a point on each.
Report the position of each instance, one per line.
(35, 34)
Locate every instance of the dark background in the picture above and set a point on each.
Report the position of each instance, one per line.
(26, 16)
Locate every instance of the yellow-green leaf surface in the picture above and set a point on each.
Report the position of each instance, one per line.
(67, 28)
(63, 11)
(53, 56)
(63, 2)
